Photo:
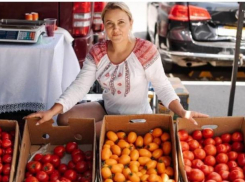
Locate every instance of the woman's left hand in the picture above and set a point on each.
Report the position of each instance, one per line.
(193, 114)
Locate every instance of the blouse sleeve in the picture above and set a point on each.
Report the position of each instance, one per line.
(156, 75)
(80, 86)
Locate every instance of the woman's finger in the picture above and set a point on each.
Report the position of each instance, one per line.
(193, 121)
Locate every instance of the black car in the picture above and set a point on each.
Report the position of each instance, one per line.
(194, 33)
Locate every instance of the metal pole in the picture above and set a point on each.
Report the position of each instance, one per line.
(235, 62)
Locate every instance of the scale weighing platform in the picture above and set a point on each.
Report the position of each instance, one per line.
(23, 31)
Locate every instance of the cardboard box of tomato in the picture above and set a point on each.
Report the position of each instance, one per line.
(216, 151)
(81, 131)
(9, 127)
(141, 124)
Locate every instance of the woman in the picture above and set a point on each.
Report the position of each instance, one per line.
(124, 66)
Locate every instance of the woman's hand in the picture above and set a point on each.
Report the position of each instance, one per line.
(192, 114)
(43, 115)
(46, 115)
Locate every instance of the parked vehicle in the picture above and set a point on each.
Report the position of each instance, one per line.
(81, 19)
(194, 33)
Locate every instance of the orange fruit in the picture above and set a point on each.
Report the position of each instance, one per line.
(123, 144)
(148, 138)
(116, 150)
(156, 154)
(133, 177)
(124, 159)
(144, 177)
(139, 142)
(143, 160)
(132, 136)
(166, 160)
(119, 177)
(121, 135)
(152, 146)
(126, 171)
(110, 162)
(160, 167)
(166, 147)
(151, 164)
(106, 153)
(116, 168)
(106, 173)
(157, 141)
(145, 153)
(112, 136)
(157, 132)
(164, 177)
(165, 136)
(169, 171)
(154, 178)
(126, 151)
(134, 155)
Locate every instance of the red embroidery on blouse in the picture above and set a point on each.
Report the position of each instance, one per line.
(112, 87)
(119, 84)
(107, 74)
(119, 92)
(106, 68)
(98, 51)
(120, 74)
(146, 52)
(127, 79)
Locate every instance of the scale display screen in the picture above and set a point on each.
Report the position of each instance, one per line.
(8, 34)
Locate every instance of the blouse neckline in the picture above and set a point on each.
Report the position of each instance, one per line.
(107, 41)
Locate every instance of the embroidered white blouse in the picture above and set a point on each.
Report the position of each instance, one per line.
(126, 84)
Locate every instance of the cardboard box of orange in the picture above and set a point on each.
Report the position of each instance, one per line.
(11, 125)
(141, 124)
(220, 125)
(81, 131)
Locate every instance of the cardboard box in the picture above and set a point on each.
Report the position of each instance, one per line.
(11, 125)
(220, 125)
(81, 131)
(126, 124)
(181, 91)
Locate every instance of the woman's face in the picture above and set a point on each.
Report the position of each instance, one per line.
(117, 25)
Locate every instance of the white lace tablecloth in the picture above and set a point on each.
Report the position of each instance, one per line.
(33, 76)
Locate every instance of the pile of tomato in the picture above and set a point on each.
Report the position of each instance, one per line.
(6, 153)
(48, 167)
(213, 159)
(135, 158)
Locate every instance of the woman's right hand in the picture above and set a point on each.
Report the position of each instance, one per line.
(43, 115)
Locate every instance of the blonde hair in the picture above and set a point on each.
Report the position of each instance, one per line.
(116, 5)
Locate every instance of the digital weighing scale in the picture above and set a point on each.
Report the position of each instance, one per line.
(25, 31)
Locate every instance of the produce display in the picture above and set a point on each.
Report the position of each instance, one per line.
(130, 157)
(48, 167)
(213, 159)
(6, 153)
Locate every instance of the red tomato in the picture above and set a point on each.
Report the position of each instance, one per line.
(59, 151)
(70, 147)
(9, 150)
(197, 163)
(34, 166)
(55, 160)
(71, 165)
(187, 162)
(199, 154)
(217, 140)
(221, 167)
(62, 168)
(86, 177)
(236, 168)
(210, 160)
(90, 165)
(63, 179)
(205, 169)
(236, 174)
(197, 135)
(5, 178)
(77, 157)
(54, 176)
(237, 147)
(210, 149)
(226, 138)
(27, 174)
(232, 164)
(6, 135)
(207, 133)
(237, 136)
(184, 146)
(241, 159)
(224, 174)
(187, 169)
(42, 176)
(48, 168)
(31, 179)
(1, 168)
(38, 157)
(188, 155)
(209, 141)
(196, 175)
(211, 180)
(77, 151)
(228, 147)
(7, 158)
(193, 144)
(46, 158)
(232, 155)
(221, 148)
(189, 138)
(211, 168)
(183, 135)
(70, 174)
(6, 143)
(89, 155)
(214, 176)
(222, 158)
(81, 166)
(239, 180)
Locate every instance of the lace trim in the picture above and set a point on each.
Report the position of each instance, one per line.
(127, 79)
(22, 106)
(147, 65)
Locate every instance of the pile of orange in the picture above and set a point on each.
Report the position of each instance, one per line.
(137, 158)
